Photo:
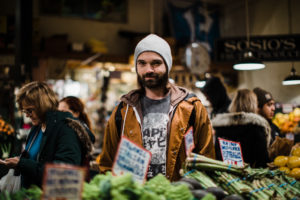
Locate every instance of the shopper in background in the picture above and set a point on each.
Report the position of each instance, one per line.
(243, 125)
(56, 137)
(266, 108)
(216, 94)
(157, 107)
(76, 107)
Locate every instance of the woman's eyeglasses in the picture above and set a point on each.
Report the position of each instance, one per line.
(28, 111)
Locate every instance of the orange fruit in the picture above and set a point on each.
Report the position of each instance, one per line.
(295, 173)
(286, 170)
(281, 161)
(293, 162)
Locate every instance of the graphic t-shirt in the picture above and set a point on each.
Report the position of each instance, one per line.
(155, 121)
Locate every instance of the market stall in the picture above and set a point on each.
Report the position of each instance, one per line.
(202, 178)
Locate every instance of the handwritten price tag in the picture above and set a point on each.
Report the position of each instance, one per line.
(62, 182)
(231, 152)
(133, 159)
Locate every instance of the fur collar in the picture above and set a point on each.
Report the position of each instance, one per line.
(83, 135)
(242, 118)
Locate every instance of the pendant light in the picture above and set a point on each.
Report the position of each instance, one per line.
(248, 61)
(293, 78)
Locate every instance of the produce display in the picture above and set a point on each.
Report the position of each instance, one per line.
(106, 187)
(288, 123)
(202, 178)
(33, 193)
(249, 183)
(289, 164)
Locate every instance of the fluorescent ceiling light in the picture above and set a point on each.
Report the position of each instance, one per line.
(249, 66)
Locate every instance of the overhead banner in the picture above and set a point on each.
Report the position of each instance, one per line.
(264, 48)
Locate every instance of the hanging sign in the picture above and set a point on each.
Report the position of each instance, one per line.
(189, 141)
(63, 182)
(231, 152)
(264, 48)
(131, 158)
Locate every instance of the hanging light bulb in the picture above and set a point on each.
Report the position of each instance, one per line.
(292, 79)
(201, 80)
(248, 60)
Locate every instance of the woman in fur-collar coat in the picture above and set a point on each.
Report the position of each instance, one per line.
(243, 125)
(55, 137)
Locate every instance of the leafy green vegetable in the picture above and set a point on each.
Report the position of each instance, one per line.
(149, 195)
(34, 192)
(179, 192)
(122, 182)
(90, 191)
(105, 188)
(100, 177)
(158, 184)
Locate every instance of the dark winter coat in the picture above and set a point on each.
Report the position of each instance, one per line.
(275, 131)
(251, 130)
(65, 140)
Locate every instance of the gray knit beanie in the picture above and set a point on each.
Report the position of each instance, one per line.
(155, 44)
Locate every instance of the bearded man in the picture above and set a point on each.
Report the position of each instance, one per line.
(157, 115)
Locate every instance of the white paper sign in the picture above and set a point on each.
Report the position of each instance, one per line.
(133, 159)
(290, 136)
(189, 141)
(287, 108)
(62, 182)
(231, 152)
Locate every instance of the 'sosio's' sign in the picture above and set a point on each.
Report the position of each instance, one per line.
(265, 48)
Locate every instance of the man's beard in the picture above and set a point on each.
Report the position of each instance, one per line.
(159, 81)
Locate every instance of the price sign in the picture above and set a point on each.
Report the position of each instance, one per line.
(133, 159)
(231, 152)
(287, 108)
(290, 136)
(62, 182)
(189, 141)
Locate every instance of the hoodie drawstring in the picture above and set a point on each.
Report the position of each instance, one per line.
(124, 120)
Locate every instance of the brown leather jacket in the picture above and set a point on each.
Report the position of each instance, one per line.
(180, 111)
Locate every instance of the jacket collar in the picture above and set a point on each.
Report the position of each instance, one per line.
(177, 95)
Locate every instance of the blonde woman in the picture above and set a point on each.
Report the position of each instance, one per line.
(54, 138)
(243, 125)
